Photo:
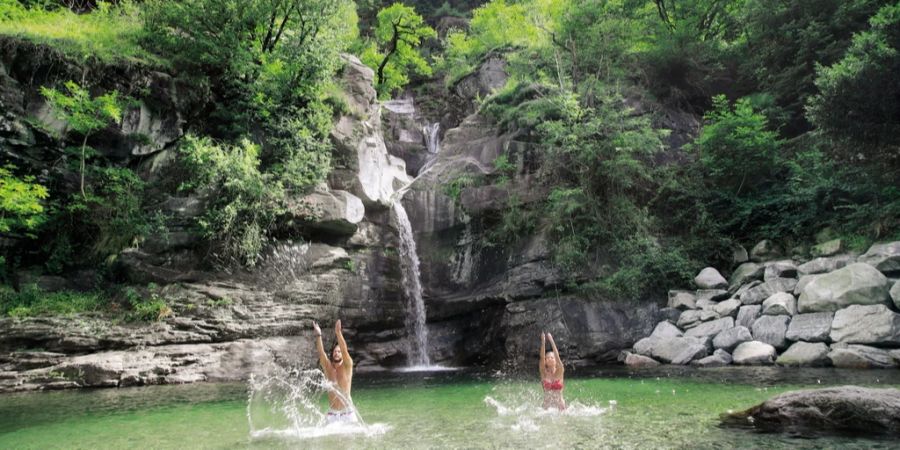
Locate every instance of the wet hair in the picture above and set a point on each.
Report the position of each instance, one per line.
(331, 354)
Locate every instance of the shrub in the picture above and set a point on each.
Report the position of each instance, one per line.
(151, 308)
(32, 301)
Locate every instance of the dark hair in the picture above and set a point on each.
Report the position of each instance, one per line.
(331, 354)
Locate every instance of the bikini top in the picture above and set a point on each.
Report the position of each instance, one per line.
(555, 385)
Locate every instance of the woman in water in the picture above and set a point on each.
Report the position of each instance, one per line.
(552, 372)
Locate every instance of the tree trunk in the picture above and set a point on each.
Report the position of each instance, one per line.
(83, 145)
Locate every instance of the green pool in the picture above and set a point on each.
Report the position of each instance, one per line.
(612, 408)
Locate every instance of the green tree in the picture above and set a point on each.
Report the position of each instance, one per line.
(859, 99)
(395, 51)
(21, 201)
(83, 113)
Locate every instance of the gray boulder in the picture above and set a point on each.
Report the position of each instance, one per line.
(895, 294)
(753, 353)
(856, 284)
(739, 255)
(645, 346)
(804, 354)
(709, 329)
(801, 284)
(665, 329)
(719, 358)
(825, 265)
(846, 409)
(746, 273)
(884, 257)
(780, 303)
(704, 303)
(332, 212)
(729, 339)
(765, 250)
(860, 357)
(866, 324)
(748, 314)
(682, 300)
(828, 248)
(782, 284)
(771, 330)
(780, 269)
(688, 319)
(640, 361)
(812, 327)
(680, 350)
(714, 295)
(757, 294)
(670, 314)
(708, 314)
(727, 308)
(710, 278)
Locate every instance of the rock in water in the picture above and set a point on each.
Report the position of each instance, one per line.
(753, 353)
(804, 354)
(866, 324)
(844, 409)
(856, 284)
(710, 278)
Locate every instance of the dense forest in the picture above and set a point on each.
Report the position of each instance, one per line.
(797, 101)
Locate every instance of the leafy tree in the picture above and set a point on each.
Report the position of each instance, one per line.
(83, 113)
(395, 51)
(859, 101)
(21, 207)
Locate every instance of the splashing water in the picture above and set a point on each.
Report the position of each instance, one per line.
(520, 410)
(412, 287)
(286, 404)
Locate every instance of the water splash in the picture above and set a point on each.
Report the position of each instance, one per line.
(520, 410)
(412, 287)
(286, 404)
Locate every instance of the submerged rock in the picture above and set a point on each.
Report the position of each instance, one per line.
(754, 353)
(845, 409)
(856, 284)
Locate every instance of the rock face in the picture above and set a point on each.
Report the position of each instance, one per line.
(812, 327)
(866, 324)
(804, 354)
(753, 353)
(710, 278)
(856, 284)
(846, 409)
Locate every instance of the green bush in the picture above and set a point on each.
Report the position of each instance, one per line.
(151, 308)
(21, 202)
(32, 301)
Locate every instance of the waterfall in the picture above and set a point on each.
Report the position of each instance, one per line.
(412, 286)
(432, 144)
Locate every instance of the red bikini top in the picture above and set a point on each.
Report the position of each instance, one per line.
(555, 385)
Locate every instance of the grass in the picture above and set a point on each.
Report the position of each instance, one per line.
(32, 301)
(109, 34)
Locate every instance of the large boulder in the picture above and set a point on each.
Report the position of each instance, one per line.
(860, 357)
(812, 327)
(825, 264)
(846, 409)
(719, 358)
(747, 315)
(665, 329)
(765, 250)
(757, 294)
(884, 257)
(679, 350)
(780, 303)
(710, 278)
(780, 269)
(753, 353)
(771, 330)
(688, 319)
(856, 284)
(746, 273)
(727, 308)
(712, 328)
(804, 354)
(729, 339)
(866, 324)
(682, 300)
(331, 212)
(640, 361)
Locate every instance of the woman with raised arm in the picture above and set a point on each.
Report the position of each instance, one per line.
(339, 371)
(552, 373)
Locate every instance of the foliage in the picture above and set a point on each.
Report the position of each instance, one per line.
(246, 201)
(32, 301)
(394, 53)
(858, 103)
(151, 308)
(21, 202)
(83, 113)
(454, 188)
(108, 33)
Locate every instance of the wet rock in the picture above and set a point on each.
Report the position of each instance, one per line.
(640, 361)
(771, 330)
(846, 409)
(747, 315)
(780, 303)
(682, 300)
(729, 339)
(860, 357)
(727, 308)
(811, 327)
(709, 329)
(710, 278)
(884, 257)
(765, 250)
(746, 273)
(805, 354)
(856, 284)
(825, 264)
(719, 358)
(753, 353)
(866, 324)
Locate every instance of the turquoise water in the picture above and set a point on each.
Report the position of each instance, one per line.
(666, 408)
